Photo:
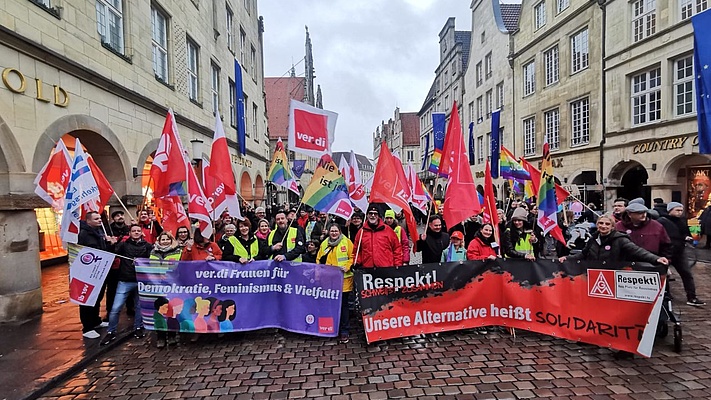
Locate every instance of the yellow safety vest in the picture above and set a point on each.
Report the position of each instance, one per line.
(343, 252)
(175, 256)
(241, 251)
(398, 232)
(290, 241)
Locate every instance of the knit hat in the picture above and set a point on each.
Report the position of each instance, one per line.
(457, 235)
(372, 207)
(519, 214)
(672, 205)
(390, 214)
(636, 208)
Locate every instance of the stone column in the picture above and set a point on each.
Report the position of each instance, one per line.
(20, 273)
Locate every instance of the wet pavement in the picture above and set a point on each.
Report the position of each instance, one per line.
(273, 364)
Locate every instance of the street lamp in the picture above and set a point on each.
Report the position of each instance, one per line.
(197, 146)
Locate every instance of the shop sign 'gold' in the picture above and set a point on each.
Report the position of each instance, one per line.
(19, 85)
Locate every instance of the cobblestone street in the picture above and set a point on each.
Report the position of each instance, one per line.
(271, 364)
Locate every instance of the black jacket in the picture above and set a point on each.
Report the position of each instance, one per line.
(616, 246)
(433, 246)
(131, 249)
(299, 245)
(511, 236)
(677, 229)
(92, 237)
(228, 251)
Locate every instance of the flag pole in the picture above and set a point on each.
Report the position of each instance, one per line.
(292, 221)
(122, 205)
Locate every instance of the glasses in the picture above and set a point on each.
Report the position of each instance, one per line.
(373, 213)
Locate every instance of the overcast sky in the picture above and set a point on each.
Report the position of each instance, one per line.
(370, 56)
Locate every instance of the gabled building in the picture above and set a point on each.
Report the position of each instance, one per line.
(401, 133)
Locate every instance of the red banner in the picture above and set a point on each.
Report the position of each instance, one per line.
(568, 300)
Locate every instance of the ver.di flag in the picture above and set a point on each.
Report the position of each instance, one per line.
(82, 189)
(52, 180)
(356, 188)
(169, 169)
(105, 189)
(702, 59)
(218, 178)
(311, 130)
(198, 205)
(328, 192)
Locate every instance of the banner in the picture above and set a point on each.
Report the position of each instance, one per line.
(82, 189)
(223, 296)
(53, 178)
(571, 300)
(439, 120)
(328, 192)
(311, 130)
(88, 268)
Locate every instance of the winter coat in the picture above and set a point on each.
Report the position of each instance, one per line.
(151, 231)
(616, 246)
(131, 249)
(705, 221)
(678, 230)
(513, 239)
(452, 253)
(228, 250)
(377, 246)
(199, 252)
(433, 245)
(651, 236)
(92, 237)
(478, 250)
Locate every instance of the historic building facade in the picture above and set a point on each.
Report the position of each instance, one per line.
(402, 135)
(106, 72)
(651, 139)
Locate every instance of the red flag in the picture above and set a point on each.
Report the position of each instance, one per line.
(173, 214)
(488, 209)
(198, 205)
(461, 200)
(168, 171)
(218, 178)
(53, 179)
(389, 187)
(560, 193)
(105, 189)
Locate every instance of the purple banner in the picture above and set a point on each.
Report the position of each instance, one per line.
(222, 296)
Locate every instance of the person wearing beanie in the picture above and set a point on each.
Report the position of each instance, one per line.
(519, 238)
(391, 221)
(433, 241)
(354, 224)
(644, 231)
(456, 251)
(660, 206)
(376, 244)
(677, 228)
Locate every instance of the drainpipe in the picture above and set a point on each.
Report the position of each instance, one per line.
(603, 97)
(513, 92)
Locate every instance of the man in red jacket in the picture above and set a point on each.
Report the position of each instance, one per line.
(376, 244)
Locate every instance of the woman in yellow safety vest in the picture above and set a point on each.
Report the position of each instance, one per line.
(246, 245)
(337, 250)
(166, 248)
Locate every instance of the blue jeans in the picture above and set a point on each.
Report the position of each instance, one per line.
(123, 290)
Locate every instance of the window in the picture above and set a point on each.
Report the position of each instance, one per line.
(253, 62)
(550, 57)
(487, 65)
(479, 78)
(159, 29)
(646, 97)
(561, 5)
(43, 2)
(215, 87)
(580, 52)
(487, 143)
(479, 109)
(255, 112)
(471, 112)
(580, 118)
(480, 150)
(244, 112)
(410, 155)
(529, 136)
(483, 37)
(500, 96)
(193, 72)
(109, 23)
(529, 78)
(539, 15)
(247, 6)
(552, 119)
(489, 103)
(684, 86)
(233, 101)
(242, 45)
(692, 7)
(445, 76)
(230, 36)
(644, 19)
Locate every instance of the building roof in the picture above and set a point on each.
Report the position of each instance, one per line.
(364, 164)
(464, 37)
(510, 14)
(430, 96)
(410, 123)
(279, 92)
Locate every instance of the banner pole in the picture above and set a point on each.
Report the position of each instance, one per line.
(122, 205)
(291, 222)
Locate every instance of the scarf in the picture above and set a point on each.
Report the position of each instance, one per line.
(334, 243)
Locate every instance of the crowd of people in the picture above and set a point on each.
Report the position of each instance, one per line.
(376, 238)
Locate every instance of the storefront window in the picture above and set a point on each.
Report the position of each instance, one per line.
(50, 245)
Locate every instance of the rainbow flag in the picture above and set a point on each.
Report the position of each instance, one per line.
(328, 191)
(547, 204)
(279, 171)
(510, 168)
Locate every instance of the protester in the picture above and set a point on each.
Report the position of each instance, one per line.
(201, 249)
(182, 235)
(149, 223)
(519, 239)
(118, 227)
(644, 231)
(92, 235)
(246, 247)
(469, 227)
(134, 247)
(660, 206)
(678, 230)
(314, 228)
(225, 243)
(484, 245)
(456, 250)
(354, 225)
(433, 241)
(337, 250)
(705, 222)
(311, 252)
(376, 244)
(294, 238)
(618, 207)
(220, 224)
(609, 244)
(303, 218)
(263, 230)
(390, 221)
(165, 249)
